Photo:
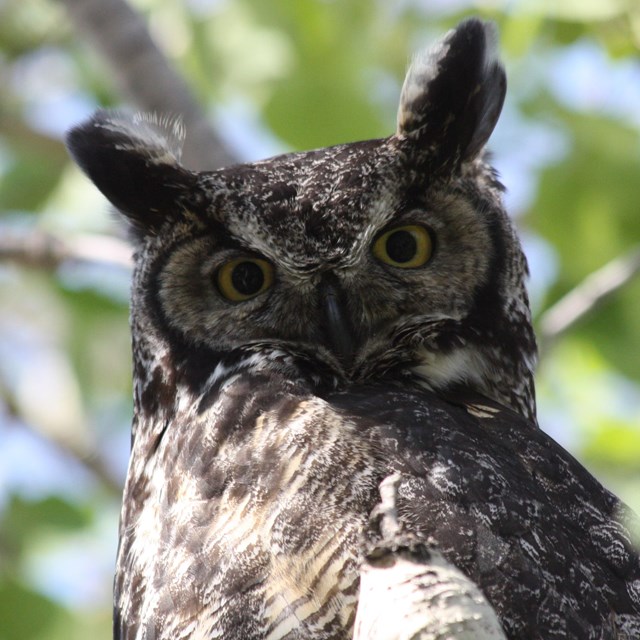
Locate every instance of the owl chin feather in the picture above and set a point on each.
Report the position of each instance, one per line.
(462, 365)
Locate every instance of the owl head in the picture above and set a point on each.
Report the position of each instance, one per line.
(387, 261)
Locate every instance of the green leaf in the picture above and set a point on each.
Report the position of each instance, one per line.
(577, 10)
(321, 108)
(29, 181)
(26, 614)
(24, 520)
(615, 444)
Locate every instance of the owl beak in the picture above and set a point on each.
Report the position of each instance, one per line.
(334, 320)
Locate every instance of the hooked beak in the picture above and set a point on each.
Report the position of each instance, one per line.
(334, 320)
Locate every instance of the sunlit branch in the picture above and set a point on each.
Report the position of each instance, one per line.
(38, 249)
(409, 590)
(588, 295)
(89, 459)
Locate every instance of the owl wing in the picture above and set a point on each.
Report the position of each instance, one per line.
(245, 520)
(510, 508)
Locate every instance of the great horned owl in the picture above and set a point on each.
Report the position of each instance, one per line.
(305, 326)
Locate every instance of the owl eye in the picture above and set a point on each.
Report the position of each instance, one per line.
(407, 247)
(243, 278)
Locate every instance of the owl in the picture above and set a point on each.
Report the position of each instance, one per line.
(307, 325)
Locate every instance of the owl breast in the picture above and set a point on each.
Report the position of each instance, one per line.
(258, 521)
(250, 520)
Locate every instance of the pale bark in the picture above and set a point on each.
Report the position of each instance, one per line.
(408, 591)
(588, 295)
(41, 250)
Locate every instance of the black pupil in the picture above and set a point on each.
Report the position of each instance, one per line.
(247, 278)
(401, 246)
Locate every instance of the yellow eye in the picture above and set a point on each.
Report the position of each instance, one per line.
(406, 247)
(244, 278)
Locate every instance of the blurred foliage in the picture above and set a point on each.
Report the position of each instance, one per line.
(281, 74)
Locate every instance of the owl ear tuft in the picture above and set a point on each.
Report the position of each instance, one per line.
(135, 162)
(453, 94)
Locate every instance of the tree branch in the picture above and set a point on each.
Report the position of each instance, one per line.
(587, 296)
(145, 76)
(88, 458)
(408, 589)
(38, 249)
